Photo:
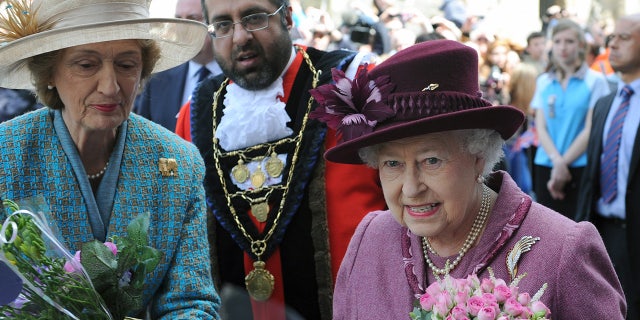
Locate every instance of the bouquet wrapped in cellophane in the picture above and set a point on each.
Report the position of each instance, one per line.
(41, 279)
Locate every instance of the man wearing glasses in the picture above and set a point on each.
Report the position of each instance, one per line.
(283, 216)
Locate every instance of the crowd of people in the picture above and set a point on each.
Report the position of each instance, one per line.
(332, 168)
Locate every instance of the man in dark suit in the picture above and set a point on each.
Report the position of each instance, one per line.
(167, 91)
(611, 185)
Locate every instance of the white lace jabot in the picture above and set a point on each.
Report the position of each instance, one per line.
(252, 117)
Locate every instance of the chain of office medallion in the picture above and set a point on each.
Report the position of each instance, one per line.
(259, 246)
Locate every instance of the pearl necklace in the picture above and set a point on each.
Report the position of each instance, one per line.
(99, 174)
(478, 224)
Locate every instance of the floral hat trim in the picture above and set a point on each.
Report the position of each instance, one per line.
(19, 20)
(353, 107)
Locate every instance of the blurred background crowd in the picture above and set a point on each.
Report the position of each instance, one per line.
(512, 38)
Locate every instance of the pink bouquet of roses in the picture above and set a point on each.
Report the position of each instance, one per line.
(472, 298)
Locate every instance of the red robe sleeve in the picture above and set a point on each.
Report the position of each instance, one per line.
(183, 124)
(352, 191)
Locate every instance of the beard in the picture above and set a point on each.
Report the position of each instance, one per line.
(263, 75)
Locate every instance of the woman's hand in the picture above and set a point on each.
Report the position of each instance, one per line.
(560, 176)
(556, 188)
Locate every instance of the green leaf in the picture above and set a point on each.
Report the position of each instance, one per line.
(149, 257)
(99, 262)
(138, 228)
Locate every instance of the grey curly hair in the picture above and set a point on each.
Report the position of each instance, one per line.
(484, 143)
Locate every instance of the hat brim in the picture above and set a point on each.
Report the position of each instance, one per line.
(179, 41)
(504, 119)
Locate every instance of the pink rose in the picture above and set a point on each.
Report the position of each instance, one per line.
(487, 313)
(539, 309)
(526, 313)
(427, 301)
(524, 298)
(462, 284)
(512, 307)
(461, 297)
(440, 308)
(487, 285)
(474, 304)
(499, 282)
(434, 289)
(502, 293)
(443, 304)
(459, 313)
(473, 280)
(489, 299)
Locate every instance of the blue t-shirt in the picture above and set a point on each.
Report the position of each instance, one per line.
(565, 110)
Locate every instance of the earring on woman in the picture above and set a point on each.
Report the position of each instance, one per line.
(50, 87)
(480, 178)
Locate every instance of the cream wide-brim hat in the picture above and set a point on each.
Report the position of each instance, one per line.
(76, 22)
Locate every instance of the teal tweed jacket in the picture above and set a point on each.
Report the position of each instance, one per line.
(34, 163)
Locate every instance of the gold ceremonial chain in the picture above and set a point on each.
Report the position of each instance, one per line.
(478, 224)
(259, 281)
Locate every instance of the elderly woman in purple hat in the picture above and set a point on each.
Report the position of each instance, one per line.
(419, 119)
(97, 165)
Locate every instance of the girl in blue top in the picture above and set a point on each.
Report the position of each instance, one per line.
(563, 102)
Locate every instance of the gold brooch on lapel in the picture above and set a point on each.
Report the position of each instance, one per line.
(168, 167)
(523, 245)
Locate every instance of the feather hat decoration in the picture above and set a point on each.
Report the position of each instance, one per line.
(18, 20)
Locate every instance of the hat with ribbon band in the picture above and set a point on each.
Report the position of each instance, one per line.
(429, 87)
(29, 28)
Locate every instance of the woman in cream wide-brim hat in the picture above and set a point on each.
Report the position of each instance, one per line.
(96, 164)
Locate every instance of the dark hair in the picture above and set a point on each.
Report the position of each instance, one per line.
(535, 34)
(277, 3)
(284, 12)
(426, 36)
(41, 67)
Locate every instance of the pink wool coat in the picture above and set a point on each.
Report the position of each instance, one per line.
(374, 280)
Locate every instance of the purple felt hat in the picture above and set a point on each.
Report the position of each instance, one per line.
(429, 87)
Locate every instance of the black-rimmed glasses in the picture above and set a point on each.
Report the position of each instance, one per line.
(252, 22)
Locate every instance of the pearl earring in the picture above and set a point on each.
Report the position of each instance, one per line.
(480, 179)
(50, 87)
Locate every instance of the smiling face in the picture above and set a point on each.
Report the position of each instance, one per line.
(252, 59)
(429, 184)
(97, 83)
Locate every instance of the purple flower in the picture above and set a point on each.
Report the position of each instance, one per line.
(353, 107)
(125, 279)
(19, 302)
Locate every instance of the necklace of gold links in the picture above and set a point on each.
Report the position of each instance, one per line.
(478, 224)
(258, 246)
